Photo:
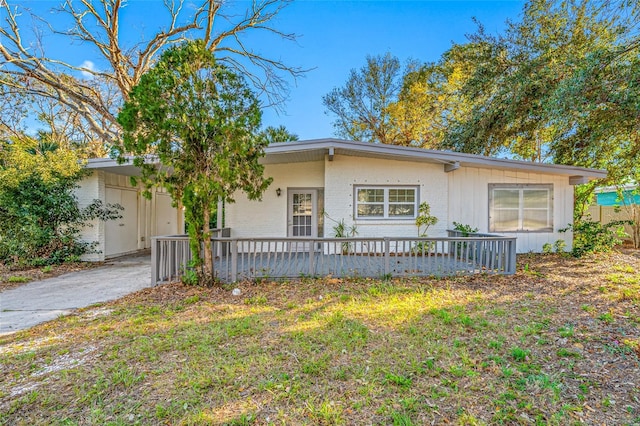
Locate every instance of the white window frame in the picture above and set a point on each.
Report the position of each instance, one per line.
(522, 188)
(386, 203)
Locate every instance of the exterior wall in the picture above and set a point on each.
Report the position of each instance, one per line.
(268, 218)
(345, 172)
(469, 203)
(91, 188)
(458, 196)
(148, 213)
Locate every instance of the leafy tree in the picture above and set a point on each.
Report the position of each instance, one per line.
(40, 220)
(92, 95)
(202, 121)
(431, 99)
(560, 85)
(278, 134)
(381, 102)
(361, 105)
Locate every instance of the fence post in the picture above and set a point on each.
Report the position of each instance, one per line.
(387, 256)
(512, 257)
(154, 261)
(234, 261)
(312, 250)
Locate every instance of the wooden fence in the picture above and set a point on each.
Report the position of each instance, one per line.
(238, 259)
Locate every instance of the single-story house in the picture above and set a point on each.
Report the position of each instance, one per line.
(376, 188)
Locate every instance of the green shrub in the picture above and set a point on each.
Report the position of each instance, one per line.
(594, 237)
(40, 221)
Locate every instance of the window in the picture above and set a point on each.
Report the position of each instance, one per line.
(386, 202)
(514, 208)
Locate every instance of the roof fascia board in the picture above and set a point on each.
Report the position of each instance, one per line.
(471, 160)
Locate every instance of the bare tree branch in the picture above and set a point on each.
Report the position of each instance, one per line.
(94, 101)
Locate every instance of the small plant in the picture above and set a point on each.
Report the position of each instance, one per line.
(256, 300)
(567, 353)
(342, 230)
(47, 269)
(190, 274)
(519, 354)
(559, 246)
(466, 230)
(607, 317)
(398, 380)
(18, 279)
(566, 331)
(425, 219)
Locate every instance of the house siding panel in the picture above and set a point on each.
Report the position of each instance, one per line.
(346, 172)
(469, 203)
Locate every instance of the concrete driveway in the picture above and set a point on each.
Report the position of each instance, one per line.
(41, 301)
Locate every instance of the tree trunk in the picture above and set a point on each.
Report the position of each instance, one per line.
(208, 255)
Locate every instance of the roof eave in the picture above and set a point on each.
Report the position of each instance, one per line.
(577, 174)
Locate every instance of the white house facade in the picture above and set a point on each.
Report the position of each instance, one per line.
(376, 188)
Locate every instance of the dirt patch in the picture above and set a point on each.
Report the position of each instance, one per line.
(12, 277)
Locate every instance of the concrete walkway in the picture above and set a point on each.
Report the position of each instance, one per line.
(41, 301)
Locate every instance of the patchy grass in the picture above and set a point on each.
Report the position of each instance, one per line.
(546, 346)
(18, 279)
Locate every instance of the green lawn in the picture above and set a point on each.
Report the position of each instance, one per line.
(557, 343)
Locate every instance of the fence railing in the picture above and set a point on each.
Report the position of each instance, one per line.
(237, 259)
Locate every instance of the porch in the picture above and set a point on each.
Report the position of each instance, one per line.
(237, 259)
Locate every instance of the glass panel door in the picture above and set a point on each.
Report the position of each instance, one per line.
(302, 213)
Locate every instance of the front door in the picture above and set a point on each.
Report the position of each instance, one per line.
(303, 215)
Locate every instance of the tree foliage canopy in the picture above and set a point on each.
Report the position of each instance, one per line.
(40, 219)
(202, 121)
(562, 85)
(278, 134)
(361, 105)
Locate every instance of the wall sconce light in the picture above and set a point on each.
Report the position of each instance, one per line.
(278, 192)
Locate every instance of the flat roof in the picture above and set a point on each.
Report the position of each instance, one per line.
(317, 149)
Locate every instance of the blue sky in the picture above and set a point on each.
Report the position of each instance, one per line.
(334, 37)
